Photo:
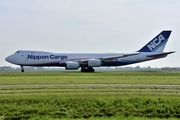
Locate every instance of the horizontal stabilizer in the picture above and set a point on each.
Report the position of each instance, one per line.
(161, 54)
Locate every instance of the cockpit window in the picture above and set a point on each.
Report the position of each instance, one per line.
(17, 51)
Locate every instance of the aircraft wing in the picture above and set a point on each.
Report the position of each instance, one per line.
(161, 54)
(109, 58)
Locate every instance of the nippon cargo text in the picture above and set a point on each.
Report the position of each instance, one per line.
(39, 57)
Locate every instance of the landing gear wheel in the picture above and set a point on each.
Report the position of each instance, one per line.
(87, 69)
(92, 70)
(22, 70)
(83, 69)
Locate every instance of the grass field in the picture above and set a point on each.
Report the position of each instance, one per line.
(103, 95)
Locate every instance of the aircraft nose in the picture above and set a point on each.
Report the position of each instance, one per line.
(9, 59)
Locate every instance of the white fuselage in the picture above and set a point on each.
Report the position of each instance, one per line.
(43, 58)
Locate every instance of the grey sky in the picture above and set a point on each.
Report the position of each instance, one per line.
(88, 26)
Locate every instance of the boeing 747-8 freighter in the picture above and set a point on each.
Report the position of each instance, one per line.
(86, 61)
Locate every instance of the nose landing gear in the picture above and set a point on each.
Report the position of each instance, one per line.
(22, 68)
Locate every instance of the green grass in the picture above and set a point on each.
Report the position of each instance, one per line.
(103, 118)
(101, 95)
(49, 77)
(60, 107)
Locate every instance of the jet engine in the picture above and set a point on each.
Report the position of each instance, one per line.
(94, 63)
(72, 65)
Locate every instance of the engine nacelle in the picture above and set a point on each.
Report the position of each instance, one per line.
(72, 65)
(94, 63)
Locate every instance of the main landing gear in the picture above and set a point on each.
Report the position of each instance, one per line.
(87, 69)
(22, 68)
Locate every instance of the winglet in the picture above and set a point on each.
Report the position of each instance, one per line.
(158, 43)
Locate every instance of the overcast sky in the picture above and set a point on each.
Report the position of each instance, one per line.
(88, 26)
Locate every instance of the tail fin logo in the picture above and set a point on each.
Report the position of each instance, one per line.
(158, 43)
(158, 40)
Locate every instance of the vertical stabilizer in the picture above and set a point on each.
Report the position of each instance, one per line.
(158, 43)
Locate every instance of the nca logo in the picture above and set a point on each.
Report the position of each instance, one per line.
(158, 40)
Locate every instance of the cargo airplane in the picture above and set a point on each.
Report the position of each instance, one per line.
(86, 61)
